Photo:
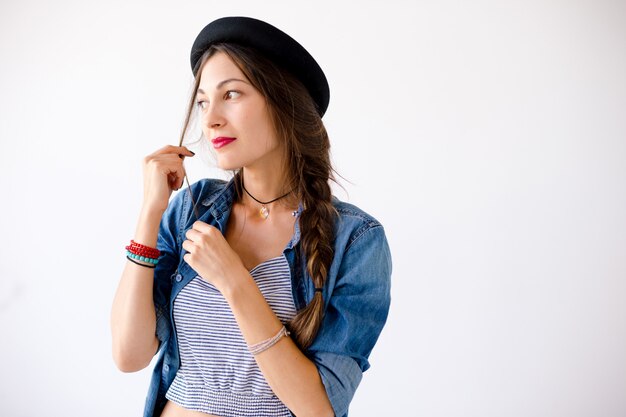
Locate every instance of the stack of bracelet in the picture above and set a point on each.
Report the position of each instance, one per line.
(266, 344)
(138, 252)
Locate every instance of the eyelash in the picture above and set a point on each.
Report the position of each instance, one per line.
(199, 102)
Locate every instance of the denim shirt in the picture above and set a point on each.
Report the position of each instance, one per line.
(356, 293)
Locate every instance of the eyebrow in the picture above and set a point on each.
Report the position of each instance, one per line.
(221, 83)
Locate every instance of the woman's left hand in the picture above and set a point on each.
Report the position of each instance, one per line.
(211, 256)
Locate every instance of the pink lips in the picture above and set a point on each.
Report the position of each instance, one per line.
(221, 141)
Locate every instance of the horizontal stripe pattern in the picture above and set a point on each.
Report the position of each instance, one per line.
(217, 374)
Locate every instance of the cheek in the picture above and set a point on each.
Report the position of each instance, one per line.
(266, 129)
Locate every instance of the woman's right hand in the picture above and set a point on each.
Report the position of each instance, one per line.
(163, 172)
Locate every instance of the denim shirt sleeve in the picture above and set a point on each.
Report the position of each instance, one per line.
(167, 243)
(354, 318)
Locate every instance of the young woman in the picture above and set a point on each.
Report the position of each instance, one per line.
(263, 295)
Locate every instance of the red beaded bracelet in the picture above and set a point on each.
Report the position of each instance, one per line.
(143, 250)
(144, 253)
(134, 246)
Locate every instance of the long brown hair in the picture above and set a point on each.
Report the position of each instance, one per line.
(307, 155)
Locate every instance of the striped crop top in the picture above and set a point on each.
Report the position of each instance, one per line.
(217, 373)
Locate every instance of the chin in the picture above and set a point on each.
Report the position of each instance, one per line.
(227, 165)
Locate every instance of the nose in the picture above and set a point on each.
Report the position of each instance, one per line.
(212, 116)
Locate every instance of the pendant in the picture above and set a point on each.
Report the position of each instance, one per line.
(264, 212)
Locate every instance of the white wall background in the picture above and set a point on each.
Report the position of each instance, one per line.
(489, 137)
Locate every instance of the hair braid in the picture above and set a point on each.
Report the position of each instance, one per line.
(316, 225)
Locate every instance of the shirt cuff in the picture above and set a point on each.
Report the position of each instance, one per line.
(341, 376)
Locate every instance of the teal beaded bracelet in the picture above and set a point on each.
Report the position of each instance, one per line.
(142, 258)
(140, 264)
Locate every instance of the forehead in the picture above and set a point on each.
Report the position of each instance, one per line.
(219, 67)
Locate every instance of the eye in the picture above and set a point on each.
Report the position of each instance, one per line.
(232, 94)
(201, 103)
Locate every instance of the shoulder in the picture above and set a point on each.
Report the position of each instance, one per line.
(202, 192)
(353, 222)
(207, 188)
(204, 188)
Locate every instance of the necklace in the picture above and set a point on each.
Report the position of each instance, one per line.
(264, 211)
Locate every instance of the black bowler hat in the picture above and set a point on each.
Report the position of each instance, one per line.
(273, 43)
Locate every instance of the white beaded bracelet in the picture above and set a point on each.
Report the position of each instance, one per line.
(266, 344)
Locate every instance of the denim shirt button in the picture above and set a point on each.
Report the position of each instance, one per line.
(166, 368)
(179, 277)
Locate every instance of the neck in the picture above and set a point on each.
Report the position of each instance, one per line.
(263, 187)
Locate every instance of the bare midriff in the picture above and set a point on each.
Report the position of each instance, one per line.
(174, 410)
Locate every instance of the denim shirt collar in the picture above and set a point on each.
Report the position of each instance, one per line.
(220, 205)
